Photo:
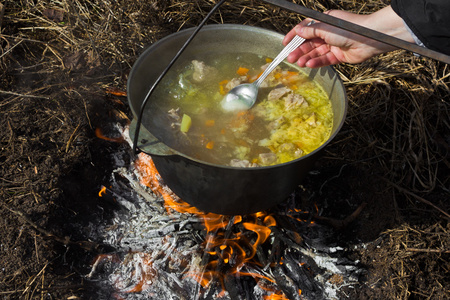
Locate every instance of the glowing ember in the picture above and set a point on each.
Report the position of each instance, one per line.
(102, 191)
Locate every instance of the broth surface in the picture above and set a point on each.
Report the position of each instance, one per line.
(291, 118)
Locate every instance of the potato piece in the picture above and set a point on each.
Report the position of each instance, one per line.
(186, 123)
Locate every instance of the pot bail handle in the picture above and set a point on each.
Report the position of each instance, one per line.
(144, 103)
(150, 144)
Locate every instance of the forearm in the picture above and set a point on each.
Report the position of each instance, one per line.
(388, 22)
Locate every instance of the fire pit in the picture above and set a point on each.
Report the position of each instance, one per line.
(168, 248)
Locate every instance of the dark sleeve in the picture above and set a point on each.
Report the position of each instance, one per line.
(428, 19)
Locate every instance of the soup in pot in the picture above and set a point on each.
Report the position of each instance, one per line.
(291, 118)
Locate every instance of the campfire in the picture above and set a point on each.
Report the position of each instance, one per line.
(166, 247)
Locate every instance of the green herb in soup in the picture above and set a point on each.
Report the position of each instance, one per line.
(291, 118)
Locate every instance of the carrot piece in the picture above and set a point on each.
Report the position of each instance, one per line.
(221, 90)
(242, 71)
(210, 145)
(210, 123)
(222, 131)
(268, 60)
(222, 86)
(241, 113)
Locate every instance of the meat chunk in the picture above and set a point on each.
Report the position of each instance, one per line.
(276, 123)
(268, 158)
(174, 116)
(202, 71)
(293, 100)
(235, 82)
(278, 93)
(271, 80)
(298, 153)
(242, 163)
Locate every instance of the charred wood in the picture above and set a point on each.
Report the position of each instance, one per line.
(235, 288)
(286, 284)
(303, 276)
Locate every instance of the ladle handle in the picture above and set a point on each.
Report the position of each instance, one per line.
(293, 44)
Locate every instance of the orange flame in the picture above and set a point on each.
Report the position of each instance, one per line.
(99, 134)
(275, 296)
(102, 191)
(116, 92)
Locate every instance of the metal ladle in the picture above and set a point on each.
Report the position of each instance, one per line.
(243, 96)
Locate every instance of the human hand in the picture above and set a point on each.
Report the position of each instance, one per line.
(329, 45)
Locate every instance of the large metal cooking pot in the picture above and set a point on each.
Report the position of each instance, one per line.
(210, 187)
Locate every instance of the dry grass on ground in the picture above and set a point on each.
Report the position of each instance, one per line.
(58, 58)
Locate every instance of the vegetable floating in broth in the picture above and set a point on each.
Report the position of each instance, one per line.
(291, 118)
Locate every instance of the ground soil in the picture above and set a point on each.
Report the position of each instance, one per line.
(56, 90)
